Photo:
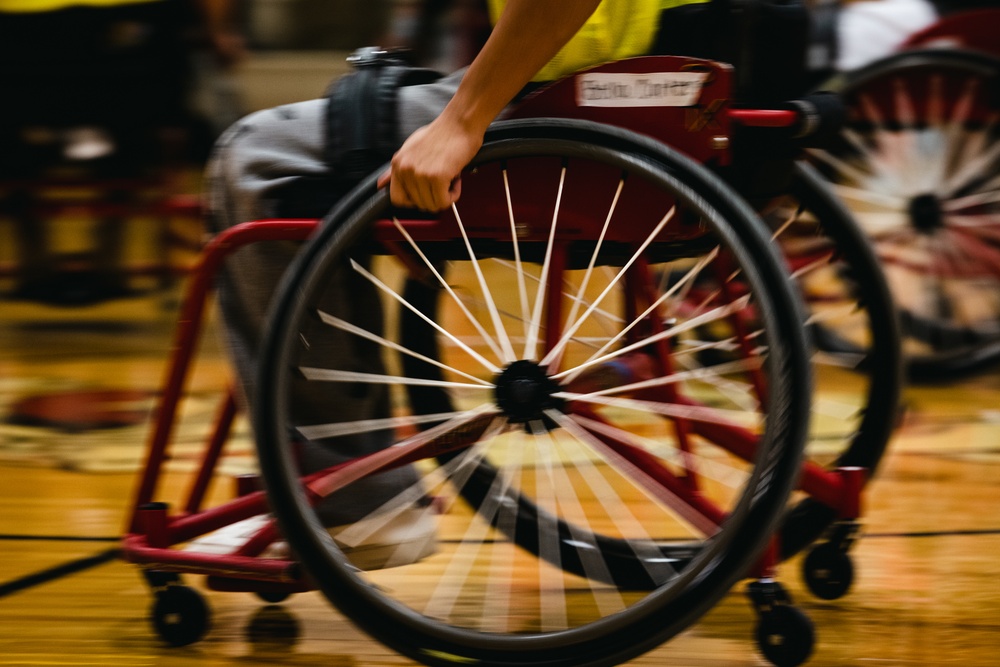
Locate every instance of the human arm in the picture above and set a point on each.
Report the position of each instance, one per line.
(527, 35)
(219, 19)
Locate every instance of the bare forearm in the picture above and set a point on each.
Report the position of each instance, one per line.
(425, 171)
(527, 35)
(217, 14)
(219, 18)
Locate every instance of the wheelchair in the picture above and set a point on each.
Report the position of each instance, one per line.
(916, 163)
(597, 369)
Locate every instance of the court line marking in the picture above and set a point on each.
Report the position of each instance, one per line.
(58, 572)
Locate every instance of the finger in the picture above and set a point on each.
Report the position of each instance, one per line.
(446, 195)
(398, 195)
(383, 180)
(425, 195)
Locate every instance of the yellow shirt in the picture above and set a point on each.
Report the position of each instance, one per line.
(29, 6)
(617, 29)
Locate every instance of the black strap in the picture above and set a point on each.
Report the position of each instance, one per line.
(362, 115)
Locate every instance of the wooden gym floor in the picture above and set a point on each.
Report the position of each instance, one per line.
(928, 573)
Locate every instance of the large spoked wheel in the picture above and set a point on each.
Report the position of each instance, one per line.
(858, 365)
(503, 434)
(917, 164)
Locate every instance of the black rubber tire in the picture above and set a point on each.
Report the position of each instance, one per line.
(878, 363)
(944, 340)
(710, 569)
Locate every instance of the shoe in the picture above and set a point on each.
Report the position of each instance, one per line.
(406, 538)
(87, 143)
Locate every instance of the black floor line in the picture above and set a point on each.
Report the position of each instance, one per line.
(57, 538)
(81, 564)
(938, 533)
(58, 572)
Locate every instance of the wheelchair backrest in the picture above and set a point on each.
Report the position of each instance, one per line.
(974, 30)
(678, 100)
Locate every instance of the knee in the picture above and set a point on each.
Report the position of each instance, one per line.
(271, 143)
(237, 142)
(230, 167)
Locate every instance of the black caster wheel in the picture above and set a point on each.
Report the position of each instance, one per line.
(273, 597)
(828, 571)
(180, 615)
(785, 636)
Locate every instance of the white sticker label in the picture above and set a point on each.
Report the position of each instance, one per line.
(656, 89)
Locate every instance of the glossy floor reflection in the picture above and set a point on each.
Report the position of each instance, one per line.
(926, 592)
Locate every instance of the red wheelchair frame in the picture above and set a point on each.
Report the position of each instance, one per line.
(154, 529)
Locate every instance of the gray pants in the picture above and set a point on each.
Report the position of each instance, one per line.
(251, 164)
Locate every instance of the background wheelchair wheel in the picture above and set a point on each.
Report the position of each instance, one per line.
(916, 163)
(858, 360)
(530, 368)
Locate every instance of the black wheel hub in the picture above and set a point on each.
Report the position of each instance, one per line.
(524, 392)
(925, 214)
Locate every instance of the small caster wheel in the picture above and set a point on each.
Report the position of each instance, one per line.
(785, 636)
(273, 597)
(828, 571)
(180, 615)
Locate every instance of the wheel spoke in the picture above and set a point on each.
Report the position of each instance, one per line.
(568, 334)
(585, 281)
(608, 599)
(619, 510)
(728, 476)
(508, 351)
(332, 375)
(688, 325)
(385, 342)
(685, 280)
(701, 413)
(990, 196)
(385, 288)
(499, 596)
(531, 344)
(383, 459)
(739, 393)
(970, 170)
(442, 599)
(657, 492)
(486, 338)
(678, 377)
(552, 601)
(522, 290)
(887, 201)
(340, 429)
